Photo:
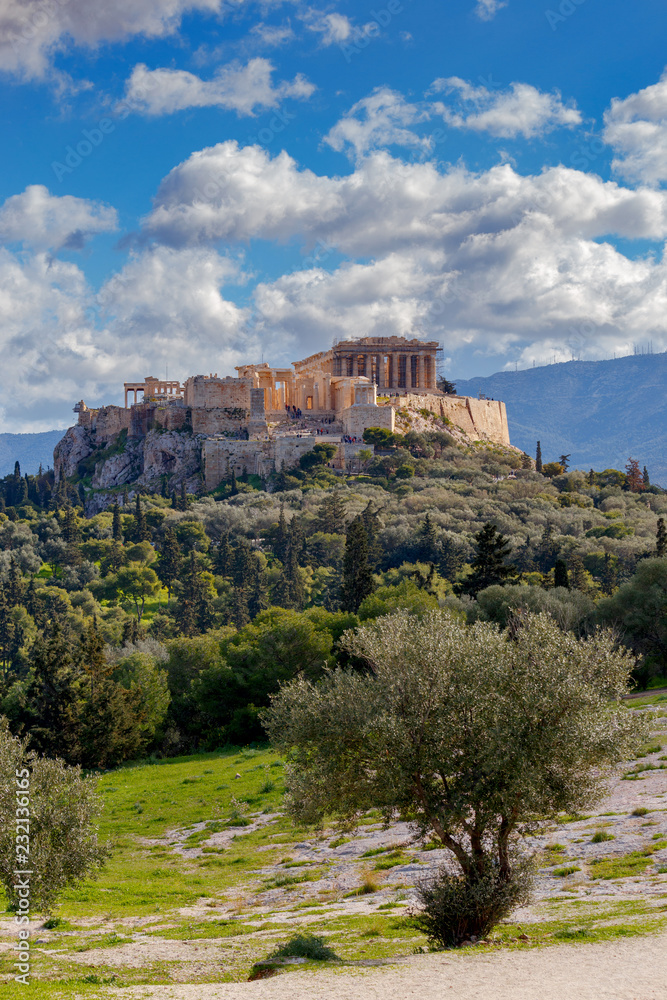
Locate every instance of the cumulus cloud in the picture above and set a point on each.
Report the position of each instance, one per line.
(65, 342)
(486, 10)
(334, 28)
(235, 87)
(521, 110)
(33, 31)
(43, 221)
(636, 128)
(491, 261)
(380, 120)
(235, 194)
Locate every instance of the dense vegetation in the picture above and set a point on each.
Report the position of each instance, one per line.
(164, 623)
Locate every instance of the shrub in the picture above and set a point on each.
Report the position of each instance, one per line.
(305, 946)
(455, 907)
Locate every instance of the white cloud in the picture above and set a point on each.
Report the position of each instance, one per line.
(334, 28)
(43, 221)
(33, 31)
(272, 35)
(235, 87)
(486, 10)
(636, 128)
(164, 306)
(521, 110)
(235, 194)
(380, 120)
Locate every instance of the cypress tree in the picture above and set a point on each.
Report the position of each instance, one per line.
(609, 575)
(7, 631)
(488, 566)
(168, 565)
(427, 539)
(538, 458)
(357, 576)
(661, 539)
(331, 514)
(242, 564)
(233, 488)
(164, 491)
(547, 550)
(141, 531)
(257, 599)
(561, 576)
(126, 497)
(372, 525)
(280, 545)
(15, 587)
(116, 524)
(240, 612)
(70, 526)
(222, 560)
(289, 589)
(183, 505)
(646, 482)
(591, 478)
(30, 600)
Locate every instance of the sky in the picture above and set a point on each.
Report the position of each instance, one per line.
(190, 185)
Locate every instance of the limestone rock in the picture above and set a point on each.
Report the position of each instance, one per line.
(119, 468)
(76, 445)
(172, 453)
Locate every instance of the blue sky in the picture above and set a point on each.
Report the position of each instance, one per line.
(196, 183)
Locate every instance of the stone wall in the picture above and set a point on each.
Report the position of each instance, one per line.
(221, 455)
(105, 423)
(357, 418)
(206, 392)
(481, 419)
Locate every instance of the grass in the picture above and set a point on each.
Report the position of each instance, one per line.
(624, 867)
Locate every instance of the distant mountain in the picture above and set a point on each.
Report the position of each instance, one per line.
(28, 449)
(601, 412)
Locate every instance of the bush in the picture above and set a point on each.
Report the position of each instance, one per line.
(305, 946)
(458, 907)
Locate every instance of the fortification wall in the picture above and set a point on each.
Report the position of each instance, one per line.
(481, 419)
(221, 455)
(105, 423)
(202, 391)
(357, 418)
(215, 421)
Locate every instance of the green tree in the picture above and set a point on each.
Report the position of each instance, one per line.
(470, 756)
(564, 460)
(357, 576)
(289, 591)
(646, 482)
(561, 575)
(380, 437)
(428, 540)
(116, 525)
(63, 808)
(141, 530)
(331, 514)
(170, 560)
(488, 566)
(53, 691)
(661, 538)
(15, 589)
(134, 584)
(222, 559)
(538, 458)
(638, 610)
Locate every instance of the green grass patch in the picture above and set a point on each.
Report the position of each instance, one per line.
(624, 867)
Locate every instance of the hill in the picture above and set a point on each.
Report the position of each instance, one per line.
(30, 450)
(600, 412)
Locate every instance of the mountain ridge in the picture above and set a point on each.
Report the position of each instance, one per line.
(600, 412)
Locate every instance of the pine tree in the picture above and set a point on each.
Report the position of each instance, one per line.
(141, 530)
(116, 524)
(15, 586)
(240, 612)
(646, 482)
(242, 564)
(7, 631)
(282, 534)
(70, 526)
(331, 514)
(488, 566)
(661, 539)
(564, 460)
(526, 462)
(289, 588)
(609, 575)
(30, 600)
(170, 557)
(371, 523)
(561, 576)
(428, 540)
(257, 599)
(547, 550)
(183, 505)
(357, 576)
(126, 497)
(222, 560)
(634, 481)
(52, 697)
(591, 478)
(538, 458)
(164, 490)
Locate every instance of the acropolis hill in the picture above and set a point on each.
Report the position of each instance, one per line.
(266, 418)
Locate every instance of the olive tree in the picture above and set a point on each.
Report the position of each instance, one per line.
(48, 813)
(471, 733)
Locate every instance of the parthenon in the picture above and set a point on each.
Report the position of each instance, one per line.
(326, 382)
